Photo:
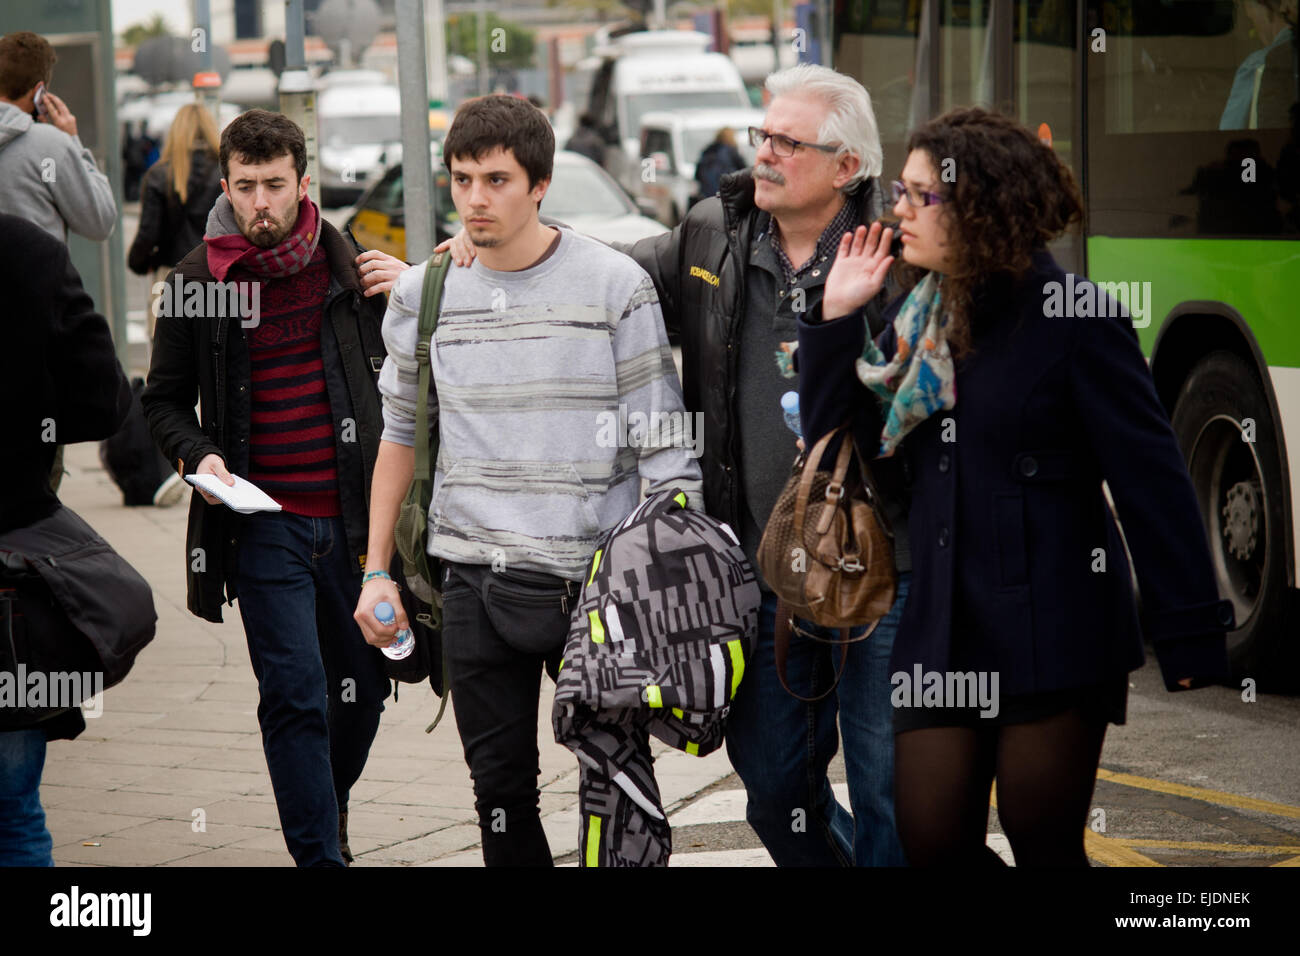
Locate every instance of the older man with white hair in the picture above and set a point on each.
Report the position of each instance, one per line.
(732, 279)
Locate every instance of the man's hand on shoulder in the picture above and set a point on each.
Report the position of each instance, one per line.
(461, 249)
(379, 271)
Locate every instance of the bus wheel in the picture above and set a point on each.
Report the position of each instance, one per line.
(1238, 483)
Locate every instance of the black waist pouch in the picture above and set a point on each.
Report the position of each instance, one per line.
(529, 609)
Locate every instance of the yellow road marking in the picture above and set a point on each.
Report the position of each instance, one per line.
(1294, 861)
(1199, 793)
(1101, 849)
(1194, 845)
(1112, 852)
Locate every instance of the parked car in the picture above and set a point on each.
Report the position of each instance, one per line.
(581, 195)
(673, 142)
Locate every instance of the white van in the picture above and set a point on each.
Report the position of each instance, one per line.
(652, 71)
(354, 123)
(673, 142)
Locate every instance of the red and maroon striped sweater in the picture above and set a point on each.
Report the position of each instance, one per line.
(291, 433)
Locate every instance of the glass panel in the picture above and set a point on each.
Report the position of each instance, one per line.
(966, 54)
(876, 44)
(1191, 127)
(1045, 61)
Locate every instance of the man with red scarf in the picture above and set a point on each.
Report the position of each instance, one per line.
(273, 327)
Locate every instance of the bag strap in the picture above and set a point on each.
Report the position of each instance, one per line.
(810, 467)
(430, 302)
(835, 487)
(781, 635)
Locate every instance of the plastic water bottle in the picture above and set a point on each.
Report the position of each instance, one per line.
(790, 406)
(401, 648)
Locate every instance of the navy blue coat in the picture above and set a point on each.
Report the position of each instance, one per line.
(1008, 513)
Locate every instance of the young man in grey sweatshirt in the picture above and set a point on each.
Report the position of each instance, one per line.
(556, 395)
(46, 175)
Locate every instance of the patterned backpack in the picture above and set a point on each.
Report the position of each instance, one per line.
(658, 643)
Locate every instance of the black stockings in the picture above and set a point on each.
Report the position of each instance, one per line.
(1045, 772)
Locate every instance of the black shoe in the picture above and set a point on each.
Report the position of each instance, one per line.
(344, 850)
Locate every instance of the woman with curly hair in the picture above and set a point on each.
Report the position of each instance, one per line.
(1012, 391)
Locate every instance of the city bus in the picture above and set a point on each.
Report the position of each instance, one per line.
(1179, 119)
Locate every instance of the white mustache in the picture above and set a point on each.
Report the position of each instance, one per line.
(768, 173)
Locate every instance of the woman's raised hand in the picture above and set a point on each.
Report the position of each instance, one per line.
(859, 270)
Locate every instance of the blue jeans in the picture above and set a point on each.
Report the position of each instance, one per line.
(781, 747)
(24, 838)
(321, 686)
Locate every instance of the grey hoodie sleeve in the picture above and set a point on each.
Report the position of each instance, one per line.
(83, 194)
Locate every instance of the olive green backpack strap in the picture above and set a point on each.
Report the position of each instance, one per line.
(426, 448)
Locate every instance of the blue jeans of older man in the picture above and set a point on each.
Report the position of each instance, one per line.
(781, 747)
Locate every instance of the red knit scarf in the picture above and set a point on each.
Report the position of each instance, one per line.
(228, 247)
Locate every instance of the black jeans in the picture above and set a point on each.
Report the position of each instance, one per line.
(499, 631)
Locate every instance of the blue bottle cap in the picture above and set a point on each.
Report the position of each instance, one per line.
(790, 401)
(384, 613)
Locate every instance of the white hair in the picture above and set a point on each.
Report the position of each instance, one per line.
(850, 122)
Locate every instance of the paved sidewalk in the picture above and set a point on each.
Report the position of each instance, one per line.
(172, 773)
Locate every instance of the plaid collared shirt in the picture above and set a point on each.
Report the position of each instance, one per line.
(844, 221)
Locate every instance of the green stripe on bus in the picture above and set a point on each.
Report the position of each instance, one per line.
(1256, 277)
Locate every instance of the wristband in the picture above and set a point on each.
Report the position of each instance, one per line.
(371, 575)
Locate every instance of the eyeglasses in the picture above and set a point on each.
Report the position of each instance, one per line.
(782, 145)
(927, 199)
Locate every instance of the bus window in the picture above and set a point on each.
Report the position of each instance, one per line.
(965, 54)
(1045, 79)
(1191, 113)
(877, 44)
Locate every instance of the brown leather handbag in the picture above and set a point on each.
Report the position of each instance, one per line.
(828, 551)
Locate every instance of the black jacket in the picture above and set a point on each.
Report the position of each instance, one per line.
(60, 381)
(168, 228)
(699, 271)
(1008, 514)
(207, 357)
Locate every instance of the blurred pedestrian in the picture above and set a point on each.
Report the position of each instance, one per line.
(59, 380)
(178, 193)
(718, 159)
(586, 139)
(46, 175)
(1010, 413)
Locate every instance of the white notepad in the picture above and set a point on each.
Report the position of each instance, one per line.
(243, 496)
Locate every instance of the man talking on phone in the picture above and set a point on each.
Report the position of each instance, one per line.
(46, 175)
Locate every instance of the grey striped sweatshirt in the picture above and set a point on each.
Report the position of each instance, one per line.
(557, 393)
